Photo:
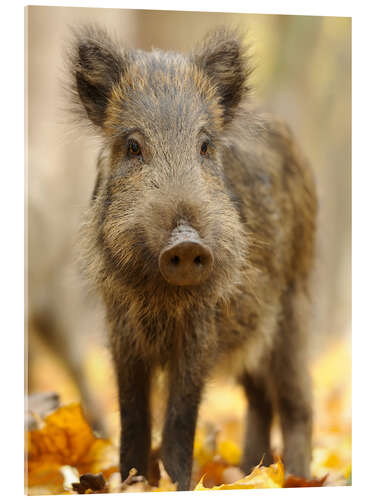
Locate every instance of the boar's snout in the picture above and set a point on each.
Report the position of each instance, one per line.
(186, 260)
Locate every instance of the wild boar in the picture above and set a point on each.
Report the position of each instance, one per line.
(200, 239)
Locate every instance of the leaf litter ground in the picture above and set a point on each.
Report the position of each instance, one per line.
(64, 456)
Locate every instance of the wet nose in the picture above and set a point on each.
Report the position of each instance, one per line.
(186, 261)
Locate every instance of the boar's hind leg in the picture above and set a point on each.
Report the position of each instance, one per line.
(258, 423)
(291, 380)
(179, 428)
(135, 441)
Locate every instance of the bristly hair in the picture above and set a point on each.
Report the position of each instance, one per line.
(225, 57)
(96, 64)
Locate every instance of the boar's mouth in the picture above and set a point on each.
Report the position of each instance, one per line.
(186, 260)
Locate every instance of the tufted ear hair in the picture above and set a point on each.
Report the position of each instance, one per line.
(222, 55)
(96, 65)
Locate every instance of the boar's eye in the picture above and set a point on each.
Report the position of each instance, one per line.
(134, 149)
(204, 148)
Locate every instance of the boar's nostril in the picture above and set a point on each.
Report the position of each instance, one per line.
(175, 260)
(186, 262)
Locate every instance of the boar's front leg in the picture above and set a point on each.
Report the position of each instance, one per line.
(179, 431)
(185, 389)
(134, 394)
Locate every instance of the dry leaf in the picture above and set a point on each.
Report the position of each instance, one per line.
(300, 482)
(260, 477)
(65, 439)
(230, 452)
(165, 482)
(212, 473)
(93, 482)
(65, 442)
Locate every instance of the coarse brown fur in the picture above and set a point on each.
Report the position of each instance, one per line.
(251, 199)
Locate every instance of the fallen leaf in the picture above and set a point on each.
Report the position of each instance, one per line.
(229, 451)
(204, 445)
(260, 477)
(48, 476)
(213, 473)
(108, 472)
(299, 482)
(165, 482)
(93, 482)
(65, 439)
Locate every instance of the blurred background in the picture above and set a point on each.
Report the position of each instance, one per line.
(303, 75)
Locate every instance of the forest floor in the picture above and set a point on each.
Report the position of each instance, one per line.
(64, 456)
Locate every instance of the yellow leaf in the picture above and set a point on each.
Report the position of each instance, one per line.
(260, 477)
(213, 473)
(65, 439)
(202, 452)
(230, 452)
(165, 482)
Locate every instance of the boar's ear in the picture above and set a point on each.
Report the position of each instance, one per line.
(222, 55)
(96, 66)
